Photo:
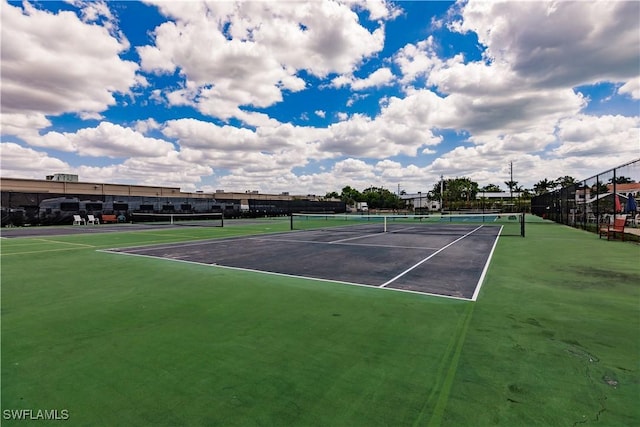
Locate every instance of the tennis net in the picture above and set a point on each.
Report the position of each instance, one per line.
(510, 224)
(211, 219)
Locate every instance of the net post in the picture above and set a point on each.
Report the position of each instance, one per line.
(522, 223)
(385, 224)
(291, 221)
(171, 219)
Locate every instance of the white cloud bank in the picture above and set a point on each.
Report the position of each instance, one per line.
(518, 104)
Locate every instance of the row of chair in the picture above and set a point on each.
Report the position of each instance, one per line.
(78, 220)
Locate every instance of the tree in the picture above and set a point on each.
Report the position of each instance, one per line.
(351, 195)
(456, 190)
(599, 188)
(381, 198)
(543, 186)
(526, 194)
(622, 180)
(513, 186)
(332, 195)
(565, 181)
(376, 197)
(491, 188)
(468, 189)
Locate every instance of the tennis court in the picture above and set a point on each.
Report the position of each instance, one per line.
(139, 222)
(188, 343)
(442, 259)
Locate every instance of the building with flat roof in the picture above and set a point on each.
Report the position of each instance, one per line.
(54, 201)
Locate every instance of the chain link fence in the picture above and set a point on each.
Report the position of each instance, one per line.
(594, 201)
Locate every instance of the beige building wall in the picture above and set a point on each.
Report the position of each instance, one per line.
(99, 189)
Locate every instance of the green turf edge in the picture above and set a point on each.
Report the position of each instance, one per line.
(128, 340)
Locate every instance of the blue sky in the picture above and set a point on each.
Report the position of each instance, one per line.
(308, 97)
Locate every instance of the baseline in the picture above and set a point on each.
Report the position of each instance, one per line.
(292, 276)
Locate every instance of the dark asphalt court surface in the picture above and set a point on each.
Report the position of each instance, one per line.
(450, 263)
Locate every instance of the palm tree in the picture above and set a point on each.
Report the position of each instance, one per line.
(565, 181)
(543, 186)
(513, 186)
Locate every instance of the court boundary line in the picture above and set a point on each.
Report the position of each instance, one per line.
(476, 292)
(354, 238)
(63, 243)
(293, 276)
(42, 251)
(166, 245)
(38, 240)
(428, 258)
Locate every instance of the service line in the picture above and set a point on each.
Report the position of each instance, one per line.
(428, 258)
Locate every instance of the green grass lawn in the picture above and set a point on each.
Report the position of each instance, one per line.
(121, 340)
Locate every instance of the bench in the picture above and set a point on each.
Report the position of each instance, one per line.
(109, 218)
(611, 229)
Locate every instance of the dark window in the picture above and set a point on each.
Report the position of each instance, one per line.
(70, 206)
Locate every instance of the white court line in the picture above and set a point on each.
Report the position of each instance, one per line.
(40, 251)
(402, 230)
(486, 267)
(64, 243)
(169, 245)
(356, 238)
(428, 258)
(373, 245)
